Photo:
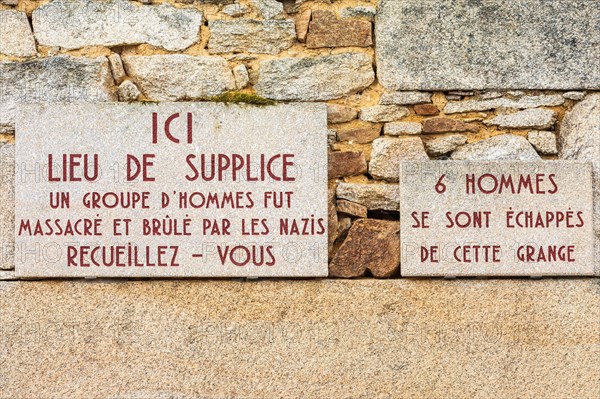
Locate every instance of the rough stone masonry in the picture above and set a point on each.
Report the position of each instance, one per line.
(402, 80)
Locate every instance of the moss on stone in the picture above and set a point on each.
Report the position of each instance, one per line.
(237, 97)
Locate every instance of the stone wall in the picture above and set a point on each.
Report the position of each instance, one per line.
(403, 79)
(388, 92)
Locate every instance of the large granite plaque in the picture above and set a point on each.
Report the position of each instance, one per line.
(496, 218)
(171, 190)
(488, 44)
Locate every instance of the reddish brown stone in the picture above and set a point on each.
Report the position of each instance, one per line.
(346, 163)
(351, 208)
(426, 109)
(337, 113)
(371, 245)
(447, 125)
(302, 21)
(361, 133)
(326, 30)
(364, 148)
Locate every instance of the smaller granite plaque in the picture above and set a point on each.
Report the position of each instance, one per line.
(496, 218)
(171, 190)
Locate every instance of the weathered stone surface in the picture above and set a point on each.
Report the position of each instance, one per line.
(574, 95)
(351, 208)
(383, 113)
(7, 275)
(405, 98)
(73, 24)
(125, 129)
(498, 148)
(7, 206)
(443, 145)
(117, 68)
(61, 78)
(326, 30)
(235, 10)
(346, 163)
(488, 95)
(521, 103)
(242, 57)
(179, 77)
(366, 12)
(543, 141)
(461, 93)
(268, 8)
(240, 74)
(507, 222)
(251, 35)
(495, 44)
(315, 78)
(579, 138)
(337, 113)
(158, 339)
(371, 245)
(528, 119)
(361, 133)
(16, 37)
(426, 109)
(302, 20)
(128, 91)
(389, 152)
(373, 196)
(400, 128)
(447, 125)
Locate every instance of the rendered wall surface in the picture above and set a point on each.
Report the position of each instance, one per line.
(320, 338)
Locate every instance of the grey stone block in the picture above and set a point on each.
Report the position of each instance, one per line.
(53, 79)
(373, 196)
(315, 78)
(504, 147)
(16, 37)
(176, 77)
(252, 36)
(74, 24)
(579, 138)
(488, 44)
